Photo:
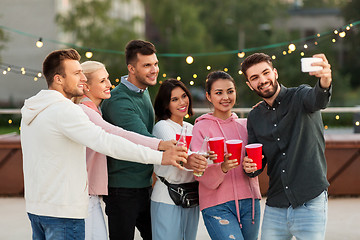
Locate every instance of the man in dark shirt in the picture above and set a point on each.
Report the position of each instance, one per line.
(289, 125)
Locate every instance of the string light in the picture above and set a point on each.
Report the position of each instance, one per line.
(10, 121)
(187, 116)
(318, 35)
(284, 53)
(302, 54)
(194, 75)
(226, 69)
(88, 54)
(240, 72)
(347, 28)
(35, 79)
(326, 127)
(273, 57)
(357, 123)
(191, 83)
(178, 78)
(208, 68)
(117, 80)
(189, 59)
(4, 72)
(164, 75)
(39, 74)
(9, 69)
(306, 46)
(292, 47)
(337, 117)
(336, 31)
(342, 34)
(39, 43)
(333, 40)
(241, 54)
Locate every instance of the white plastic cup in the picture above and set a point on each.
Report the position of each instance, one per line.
(306, 64)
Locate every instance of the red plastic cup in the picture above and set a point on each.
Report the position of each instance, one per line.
(234, 147)
(217, 145)
(187, 138)
(254, 151)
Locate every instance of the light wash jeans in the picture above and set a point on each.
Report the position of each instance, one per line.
(221, 220)
(53, 228)
(173, 222)
(306, 222)
(95, 227)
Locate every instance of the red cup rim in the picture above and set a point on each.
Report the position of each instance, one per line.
(234, 141)
(216, 138)
(253, 145)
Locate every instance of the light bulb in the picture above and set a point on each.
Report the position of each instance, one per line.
(189, 59)
(39, 74)
(178, 78)
(194, 75)
(208, 67)
(342, 34)
(292, 47)
(191, 83)
(88, 54)
(39, 43)
(241, 54)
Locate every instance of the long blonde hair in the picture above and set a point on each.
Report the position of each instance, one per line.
(89, 67)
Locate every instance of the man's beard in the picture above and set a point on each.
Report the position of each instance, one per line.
(270, 93)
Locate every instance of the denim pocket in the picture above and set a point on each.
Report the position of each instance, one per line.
(318, 203)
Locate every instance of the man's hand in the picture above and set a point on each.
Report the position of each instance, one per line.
(165, 145)
(174, 156)
(196, 162)
(325, 73)
(248, 165)
(228, 164)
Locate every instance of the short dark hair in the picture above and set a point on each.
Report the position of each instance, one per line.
(53, 63)
(138, 46)
(214, 76)
(255, 59)
(162, 100)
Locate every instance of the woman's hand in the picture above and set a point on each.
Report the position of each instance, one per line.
(227, 164)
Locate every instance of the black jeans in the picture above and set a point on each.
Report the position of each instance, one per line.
(126, 209)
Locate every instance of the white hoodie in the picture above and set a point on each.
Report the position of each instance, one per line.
(54, 136)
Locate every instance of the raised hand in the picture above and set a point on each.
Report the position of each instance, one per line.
(325, 73)
(228, 164)
(174, 156)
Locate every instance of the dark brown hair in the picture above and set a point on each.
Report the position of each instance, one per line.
(255, 59)
(138, 46)
(162, 100)
(214, 76)
(53, 63)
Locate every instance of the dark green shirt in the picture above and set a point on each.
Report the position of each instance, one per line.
(134, 112)
(291, 132)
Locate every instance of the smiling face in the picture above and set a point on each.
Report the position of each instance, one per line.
(223, 97)
(144, 72)
(98, 86)
(72, 83)
(262, 79)
(179, 104)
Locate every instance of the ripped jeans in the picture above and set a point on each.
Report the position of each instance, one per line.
(222, 223)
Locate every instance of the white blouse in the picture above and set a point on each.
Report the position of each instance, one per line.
(166, 130)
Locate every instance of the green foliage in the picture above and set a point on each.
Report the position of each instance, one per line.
(92, 25)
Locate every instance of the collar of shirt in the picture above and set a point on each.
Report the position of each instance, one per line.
(131, 86)
(278, 99)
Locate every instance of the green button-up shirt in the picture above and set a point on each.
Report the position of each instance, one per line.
(291, 132)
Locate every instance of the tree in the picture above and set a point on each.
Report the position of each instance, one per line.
(93, 26)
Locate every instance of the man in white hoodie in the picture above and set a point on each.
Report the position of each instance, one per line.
(54, 135)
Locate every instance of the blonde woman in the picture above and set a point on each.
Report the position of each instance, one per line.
(96, 89)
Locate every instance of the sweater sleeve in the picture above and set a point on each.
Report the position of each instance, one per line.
(75, 124)
(150, 142)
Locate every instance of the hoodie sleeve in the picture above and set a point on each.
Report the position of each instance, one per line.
(75, 124)
(150, 142)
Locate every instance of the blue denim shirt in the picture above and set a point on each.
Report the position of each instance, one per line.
(291, 132)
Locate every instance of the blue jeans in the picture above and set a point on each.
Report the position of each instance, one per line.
(53, 228)
(304, 222)
(222, 223)
(173, 222)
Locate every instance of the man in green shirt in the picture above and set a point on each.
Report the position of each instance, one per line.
(289, 125)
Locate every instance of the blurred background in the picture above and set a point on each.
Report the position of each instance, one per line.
(193, 37)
